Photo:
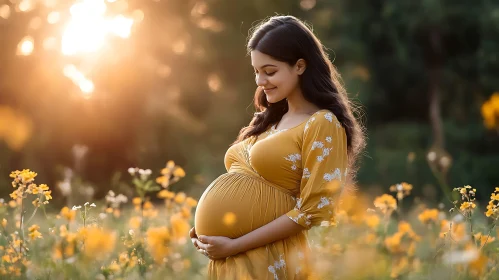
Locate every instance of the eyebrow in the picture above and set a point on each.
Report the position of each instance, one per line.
(266, 65)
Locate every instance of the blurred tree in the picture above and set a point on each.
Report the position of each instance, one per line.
(181, 86)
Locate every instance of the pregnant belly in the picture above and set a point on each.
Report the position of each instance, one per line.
(235, 204)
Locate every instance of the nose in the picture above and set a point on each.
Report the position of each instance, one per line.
(260, 80)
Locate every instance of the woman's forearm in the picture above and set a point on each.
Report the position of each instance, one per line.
(280, 228)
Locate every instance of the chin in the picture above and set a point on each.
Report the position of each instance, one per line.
(271, 99)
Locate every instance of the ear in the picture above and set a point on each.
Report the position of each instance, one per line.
(300, 66)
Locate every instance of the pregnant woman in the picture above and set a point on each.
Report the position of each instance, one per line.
(286, 169)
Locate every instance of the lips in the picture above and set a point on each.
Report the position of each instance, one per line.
(269, 90)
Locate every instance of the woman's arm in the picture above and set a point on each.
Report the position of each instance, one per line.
(218, 247)
(280, 228)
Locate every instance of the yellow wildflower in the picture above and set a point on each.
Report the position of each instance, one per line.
(62, 250)
(4, 222)
(135, 222)
(36, 202)
(467, 206)
(68, 214)
(493, 206)
(148, 205)
(180, 228)
(386, 203)
(34, 233)
(47, 195)
(171, 170)
(98, 242)
(372, 220)
(179, 172)
(484, 239)
(456, 230)
(164, 194)
(180, 198)
(392, 243)
(185, 212)
(116, 213)
(428, 215)
(123, 258)
(478, 266)
(114, 267)
(158, 239)
(191, 202)
(40, 189)
(15, 195)
(164, 181)
(6, 258)
(31, 188)
(137, 202)
(490, 111)
(403, 189)
(12, 204)
(25, 177)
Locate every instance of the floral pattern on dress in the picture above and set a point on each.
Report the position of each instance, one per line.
(293, 158)
(333, 176)
(307, 125)
(323, 158)
(306, 174)
(277, 266)
(273, 131)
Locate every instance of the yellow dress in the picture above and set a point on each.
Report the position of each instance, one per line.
(298, 172)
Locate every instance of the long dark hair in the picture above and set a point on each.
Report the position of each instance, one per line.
(287, 39)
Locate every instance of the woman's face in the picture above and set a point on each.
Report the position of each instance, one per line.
(277, 79)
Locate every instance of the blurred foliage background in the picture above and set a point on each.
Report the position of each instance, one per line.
(99, 86)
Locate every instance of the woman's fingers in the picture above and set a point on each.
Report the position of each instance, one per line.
(202, 245)
(192, 233)
(195, 242)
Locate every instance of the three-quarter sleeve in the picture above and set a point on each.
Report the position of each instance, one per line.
(324, 164)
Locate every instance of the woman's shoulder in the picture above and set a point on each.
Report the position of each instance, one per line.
(322, 119)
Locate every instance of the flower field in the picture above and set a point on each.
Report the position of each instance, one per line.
(140, 238)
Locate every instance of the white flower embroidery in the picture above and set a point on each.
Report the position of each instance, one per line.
(293, 158)
(324, 202)
(307, 220)
(329, 139)
(317, 144)
(277, 265)
(306, 173)
(307, 125)
(301, 216)
(274, 131)
(329, 116)
(325, 152)
(298, 203)
(334, 175)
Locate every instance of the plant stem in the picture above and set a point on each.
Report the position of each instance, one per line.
(21, 225)
(488, 235)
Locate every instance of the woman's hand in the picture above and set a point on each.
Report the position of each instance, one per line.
(218, 247)
(198, 244)
(194, 237)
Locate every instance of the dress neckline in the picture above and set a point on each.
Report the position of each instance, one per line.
(273, 127)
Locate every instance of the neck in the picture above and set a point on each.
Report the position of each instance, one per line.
(298, 105)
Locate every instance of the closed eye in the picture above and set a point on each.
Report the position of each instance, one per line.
(266, 73)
